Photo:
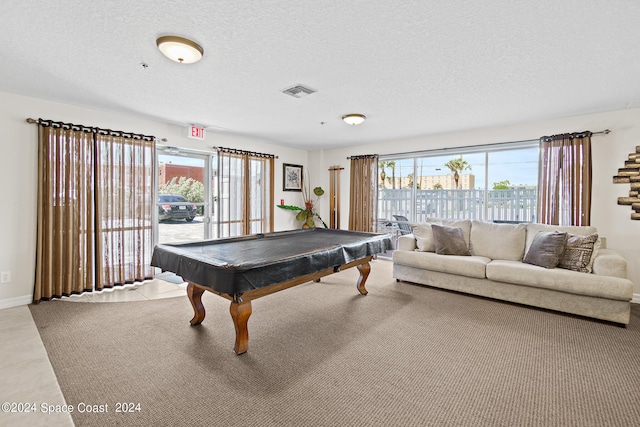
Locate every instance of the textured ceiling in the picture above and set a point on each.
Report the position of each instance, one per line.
(413, 67)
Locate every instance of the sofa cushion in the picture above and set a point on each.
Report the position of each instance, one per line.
(610, 263)
(463, 224)
(578, 251)
(406, 243)
(449, 240)
(424, 237)
(498, 241)
(560, 280)
(546, 249)
(469, 266)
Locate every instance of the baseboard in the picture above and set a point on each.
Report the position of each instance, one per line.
(635, 299)
(28, 299)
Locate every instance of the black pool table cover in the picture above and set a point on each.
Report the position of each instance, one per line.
(239, 264)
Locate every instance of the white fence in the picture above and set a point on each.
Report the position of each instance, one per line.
(513, 205)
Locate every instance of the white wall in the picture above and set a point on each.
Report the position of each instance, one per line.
(18, 172)
(609, 153)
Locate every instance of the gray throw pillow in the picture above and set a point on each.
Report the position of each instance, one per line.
(449, 240)
(577, 253)
(546, 249)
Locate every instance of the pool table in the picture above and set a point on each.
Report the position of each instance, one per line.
(248, 267)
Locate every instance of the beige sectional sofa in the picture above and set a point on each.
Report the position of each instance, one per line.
(495, 268)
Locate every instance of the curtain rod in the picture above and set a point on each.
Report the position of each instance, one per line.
(363, 156)
(494, 145)
(90, 129)
(577, 134)
(243, 152)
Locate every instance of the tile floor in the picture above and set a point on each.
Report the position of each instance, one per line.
(27, 375)
(152, 289)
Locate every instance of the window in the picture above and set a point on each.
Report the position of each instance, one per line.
(492, 183)
(512, 194)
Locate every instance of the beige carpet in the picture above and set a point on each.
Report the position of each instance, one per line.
(321, 354)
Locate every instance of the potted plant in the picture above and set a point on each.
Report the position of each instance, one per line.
(308, 212)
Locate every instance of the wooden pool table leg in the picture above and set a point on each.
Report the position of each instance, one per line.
(240, 312)
(364, 269)
(195, 297)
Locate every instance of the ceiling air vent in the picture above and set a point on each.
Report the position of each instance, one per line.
(299, 91)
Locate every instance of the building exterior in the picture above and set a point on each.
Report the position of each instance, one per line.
(466, 181)
(168, 171)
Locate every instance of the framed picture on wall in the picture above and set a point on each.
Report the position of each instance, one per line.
(291, 177)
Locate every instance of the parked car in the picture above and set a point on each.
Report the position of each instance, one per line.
(168, 209)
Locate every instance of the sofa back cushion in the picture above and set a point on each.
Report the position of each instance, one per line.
(498, 241)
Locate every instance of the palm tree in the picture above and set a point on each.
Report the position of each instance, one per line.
(456, 166)
(383, 174)
(389, 164)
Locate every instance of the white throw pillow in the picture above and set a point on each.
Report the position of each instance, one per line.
(424, 237)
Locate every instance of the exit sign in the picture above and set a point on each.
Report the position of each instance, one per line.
(196, 132)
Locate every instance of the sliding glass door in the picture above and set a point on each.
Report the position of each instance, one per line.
(211, 195)
(183, 208)
(242, 193)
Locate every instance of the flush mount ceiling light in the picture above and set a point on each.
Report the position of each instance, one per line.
(180, 49)
(354, 119)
